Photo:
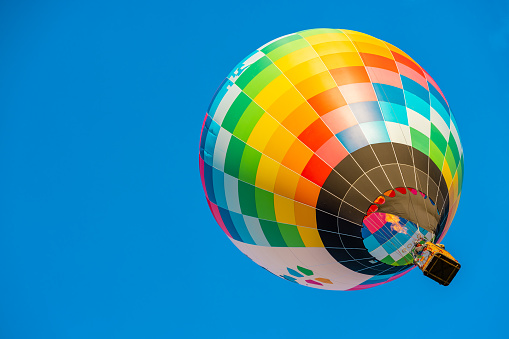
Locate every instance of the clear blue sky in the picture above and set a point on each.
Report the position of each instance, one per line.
(104, 227)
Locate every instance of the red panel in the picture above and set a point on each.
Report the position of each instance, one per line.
(401, 190)
(315, 135)
(327, 101)
(434, 84)
(349, 75)
(316, 170)
(407, 62)
(379, 61)
(332, 152)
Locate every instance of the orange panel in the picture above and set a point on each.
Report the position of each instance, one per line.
(297, 156)
(305, 215)
(349, 75)
(374, 60)
(307, 192)
(327, 101)
(300, 119)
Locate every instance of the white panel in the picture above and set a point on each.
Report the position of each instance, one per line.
(456, 137)
(226, 102)
(399, 133)
(254, 228)
(231, 190)
(439, 123)
(279, 259)
(245, 65)
(222, 142)
(268, 43)
(419, 122)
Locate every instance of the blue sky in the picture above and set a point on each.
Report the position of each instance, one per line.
(104, 227)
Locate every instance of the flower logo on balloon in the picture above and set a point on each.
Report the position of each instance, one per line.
(304, 275)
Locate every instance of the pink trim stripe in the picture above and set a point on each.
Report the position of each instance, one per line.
(217, 216)
(432, 82)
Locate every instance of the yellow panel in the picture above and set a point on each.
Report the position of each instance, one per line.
(364, 47)
(447, 174)
(327, 48)
(305, 215)
(266, 173)
(339, 60)
(310, 237)
(286, 104)
(397, 50)
(286, 182)
(293, 59)
(305, 70)
(262, 132)
(300, 118)
(316, 85)
(319, 38)
(279, 143)
(284, 210)
(297, 156)
(272, 91)
(349, 31)
(360, 37)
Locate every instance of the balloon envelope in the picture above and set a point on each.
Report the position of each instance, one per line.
(325, 154)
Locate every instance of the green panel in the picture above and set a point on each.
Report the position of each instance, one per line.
(249, 165)
(287, 49)
(438, 139)
(280, 42)
(311, 32)
(262, 80)
(255, 68)
(417, 104)
(248, 121)
(247, 199)
(388, 260)
(404, 261)
(233, 157)
(419, 141)
(436, 155)
(265, 204)
(454, 149)
(460, 174)
(235, 112)
(291, 235)
(272, 233)
(450, 161)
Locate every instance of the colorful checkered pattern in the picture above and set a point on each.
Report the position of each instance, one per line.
(292, 115)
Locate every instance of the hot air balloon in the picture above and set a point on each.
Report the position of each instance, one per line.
(332, 159)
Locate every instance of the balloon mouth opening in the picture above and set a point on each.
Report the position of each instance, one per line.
(389, 236)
